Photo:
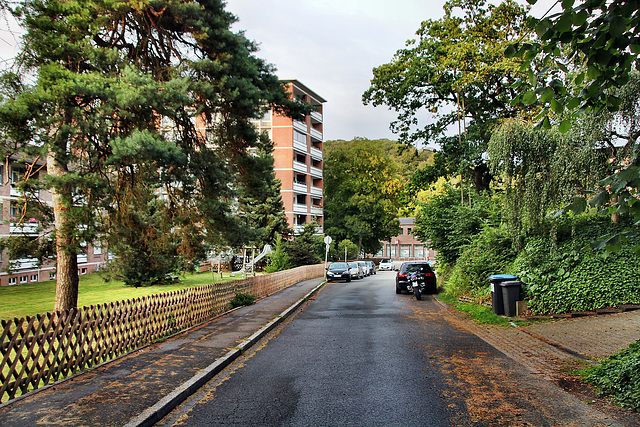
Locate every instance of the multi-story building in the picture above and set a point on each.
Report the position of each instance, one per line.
(12, 223)
(405, 246)
(298, 158)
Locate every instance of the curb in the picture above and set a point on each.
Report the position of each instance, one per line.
(155, 413)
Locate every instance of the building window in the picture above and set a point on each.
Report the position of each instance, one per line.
(83, 271)
(24, 279)
(15, 211)
(300, 158)
(266, 119)
(401, 232)
(52, 276)
(299, 137)
(97, 249)
(17, 174)
(301, 199)
(12, 280)
(405, 251)
(408, 231)
(34, 277)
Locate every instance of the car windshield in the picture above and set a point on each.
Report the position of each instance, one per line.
(338, 265)
(353, 264)
(416, 267)
(386, 260)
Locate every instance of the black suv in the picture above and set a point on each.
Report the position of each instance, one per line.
(404, 274)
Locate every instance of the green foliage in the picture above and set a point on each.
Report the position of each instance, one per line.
(304, 249)
(450, 225)
(490, 252)
(619, 377)
(478, 313)
(541, 169)
(362, 193)
(278, 259)
(351, 250)
(595, 37)
(241, 299)
(456, 70)
(568, 275)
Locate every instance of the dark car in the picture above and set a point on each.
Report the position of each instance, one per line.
(338, 271)
(404, 274)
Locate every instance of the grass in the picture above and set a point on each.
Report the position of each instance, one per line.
(478, 313)
(38, 298)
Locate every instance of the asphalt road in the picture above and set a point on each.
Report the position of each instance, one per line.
(358, 354)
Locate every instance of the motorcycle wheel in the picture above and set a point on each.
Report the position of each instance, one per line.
(418, 294)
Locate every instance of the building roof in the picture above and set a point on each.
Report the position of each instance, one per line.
(407, 221)
(305, 89)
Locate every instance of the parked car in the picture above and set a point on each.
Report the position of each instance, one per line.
(372, 267)
(404, 274)
(366, 269)
(339, 271)
(356, 270)
(386, 264)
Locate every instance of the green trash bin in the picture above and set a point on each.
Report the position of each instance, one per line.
(497, 303)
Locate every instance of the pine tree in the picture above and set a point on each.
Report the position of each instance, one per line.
(111, 93)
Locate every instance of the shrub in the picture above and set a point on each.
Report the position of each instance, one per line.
(619, 377)
(490, 252)
(241, 299)
(577, 278)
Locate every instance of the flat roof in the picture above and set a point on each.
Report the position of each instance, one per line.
(305, 89)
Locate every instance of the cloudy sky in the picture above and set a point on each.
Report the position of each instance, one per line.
(329, 45)
(332, 46)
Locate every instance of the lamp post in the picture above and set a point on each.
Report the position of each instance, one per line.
(327, 241)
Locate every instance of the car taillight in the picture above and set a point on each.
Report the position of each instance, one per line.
(402, 275)
(430, 275)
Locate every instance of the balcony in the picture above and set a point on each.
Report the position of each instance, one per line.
(300, 146)
(24, 263)
(25, 228)
(316, 134)
(316, 117)
(15, 192)
(300, 126)
(315, 172)
(316, 191)
(299, 167)
(317, 211)
(298, 229)
(82, 258)
(299, 208)
(315, 153)
(299, 187)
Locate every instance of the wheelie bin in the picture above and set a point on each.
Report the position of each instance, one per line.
(510, 294)
(497, 303)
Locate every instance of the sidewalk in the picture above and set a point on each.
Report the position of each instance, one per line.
(137, 388)
(548, 348)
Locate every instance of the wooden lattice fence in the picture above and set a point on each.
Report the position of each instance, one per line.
(38, 350)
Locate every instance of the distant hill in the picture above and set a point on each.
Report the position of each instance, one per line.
(408, 159)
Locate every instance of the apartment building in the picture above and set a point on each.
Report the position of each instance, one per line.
(26, 269)
(406, 247)
(298, 158)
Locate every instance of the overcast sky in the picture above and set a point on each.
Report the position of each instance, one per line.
(329, 45)
(332, 46)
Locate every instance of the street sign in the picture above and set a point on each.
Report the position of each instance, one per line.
(328, 240)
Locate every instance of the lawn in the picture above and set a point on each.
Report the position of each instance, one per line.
(38, 298)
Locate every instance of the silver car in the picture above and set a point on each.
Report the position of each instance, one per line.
(386, 264)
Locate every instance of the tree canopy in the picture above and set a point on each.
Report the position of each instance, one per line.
(454, 73)
(362, 193)
(133, 103)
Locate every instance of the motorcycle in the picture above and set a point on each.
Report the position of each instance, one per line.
(418, 283)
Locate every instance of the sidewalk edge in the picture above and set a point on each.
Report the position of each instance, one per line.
(165, 405)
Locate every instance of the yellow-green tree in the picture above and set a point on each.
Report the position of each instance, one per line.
(362, 193)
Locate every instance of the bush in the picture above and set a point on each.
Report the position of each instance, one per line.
(490, 252)
(619, 377)
(577, 278)
(241, 299)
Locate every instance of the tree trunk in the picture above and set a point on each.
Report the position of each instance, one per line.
(66, 249)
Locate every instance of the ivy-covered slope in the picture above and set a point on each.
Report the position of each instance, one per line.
(578, 278)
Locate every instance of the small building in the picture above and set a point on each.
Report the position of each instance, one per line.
(406, 247)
